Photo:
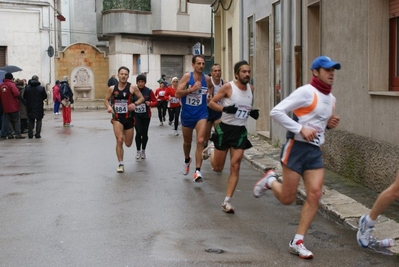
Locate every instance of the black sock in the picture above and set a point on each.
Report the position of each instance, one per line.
(198, 169)
(187, 160)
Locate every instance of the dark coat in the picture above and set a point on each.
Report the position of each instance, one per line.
(66, 91)
(35, 94)
(23, 110)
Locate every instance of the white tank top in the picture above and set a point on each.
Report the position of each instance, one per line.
(242, 99)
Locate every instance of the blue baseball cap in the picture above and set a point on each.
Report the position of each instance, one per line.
(324, 62)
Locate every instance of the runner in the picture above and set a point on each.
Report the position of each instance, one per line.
(312, 106)
(173, 104)
(231, 133)
(213, 115)
(122, 108)
(193, 90)
(142, 115)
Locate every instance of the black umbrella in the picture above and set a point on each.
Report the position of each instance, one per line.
(10, 68)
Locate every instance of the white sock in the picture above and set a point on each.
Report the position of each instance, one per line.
(270, 180)
(120, 162)
(297, 237)
(227, 199)
(369, 222)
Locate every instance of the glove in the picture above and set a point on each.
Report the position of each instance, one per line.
(230, 109)
(254, 113)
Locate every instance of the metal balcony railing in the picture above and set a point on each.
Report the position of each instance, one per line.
(136, 5)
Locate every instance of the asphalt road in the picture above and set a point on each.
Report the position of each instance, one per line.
(63, 204)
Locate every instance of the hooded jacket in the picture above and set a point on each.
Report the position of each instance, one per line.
(35, 94)
(9, 94)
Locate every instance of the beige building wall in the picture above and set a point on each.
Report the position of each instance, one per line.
(365, 146)
(227, 30)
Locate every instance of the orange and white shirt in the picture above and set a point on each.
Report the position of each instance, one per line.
(311, 109)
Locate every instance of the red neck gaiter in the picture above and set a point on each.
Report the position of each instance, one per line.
(319, 85)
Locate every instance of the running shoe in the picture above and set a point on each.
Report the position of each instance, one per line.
(261, 186)
(161, 123)
(227, 207)
(206, 153)
(299, 249)
(138, 155)
(197, 177)
(170, 123)
(142, 154)
(120, 168)
(364, 232)
(186, 167)
(176, 133)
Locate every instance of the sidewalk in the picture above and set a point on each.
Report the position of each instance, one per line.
(337, 206)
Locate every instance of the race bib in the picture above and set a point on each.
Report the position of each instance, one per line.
(194, 99)
(242, 112)
(162, 93)
(142, 108)
(174, 100)
(121, 107)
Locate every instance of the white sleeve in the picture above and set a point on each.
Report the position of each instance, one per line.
(297, 99)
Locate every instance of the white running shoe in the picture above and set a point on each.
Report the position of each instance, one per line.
(197, 177)
(186, 167)
(227, 207)
(142, 154)
(176, 133)
(138, 155)
(206, 153)
(261, 186)
(364, 232)
(120, 169)
(299, 249)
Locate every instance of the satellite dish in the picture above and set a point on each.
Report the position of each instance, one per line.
(50, 51)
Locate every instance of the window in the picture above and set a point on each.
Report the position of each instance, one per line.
(251, 44)
(277, 53)
(393, 54)
(3, 50)
(136, 64)
(183, 6)
(394, 45)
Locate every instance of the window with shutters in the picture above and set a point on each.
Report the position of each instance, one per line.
(3, 50)
(394, 45)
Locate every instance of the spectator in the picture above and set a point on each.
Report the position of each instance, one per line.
(66, 101)
(9, 95)
(112, 80)
(56, 97)
(35, 94)
(23, 111)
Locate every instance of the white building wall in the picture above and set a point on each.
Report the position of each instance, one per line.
(28, 37)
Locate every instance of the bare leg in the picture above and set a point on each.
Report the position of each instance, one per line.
(385, 199)
(236, 156)
(187, 139)
(200, 128)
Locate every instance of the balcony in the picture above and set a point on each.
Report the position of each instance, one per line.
(136, 5)
(126, 16)
(203, 2)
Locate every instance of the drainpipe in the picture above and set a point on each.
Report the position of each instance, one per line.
(242, 28)
(212, 43)
(287, 48)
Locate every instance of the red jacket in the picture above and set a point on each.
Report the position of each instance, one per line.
(56, 93)
(9, 94)
(170, 96)
(160, 94)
